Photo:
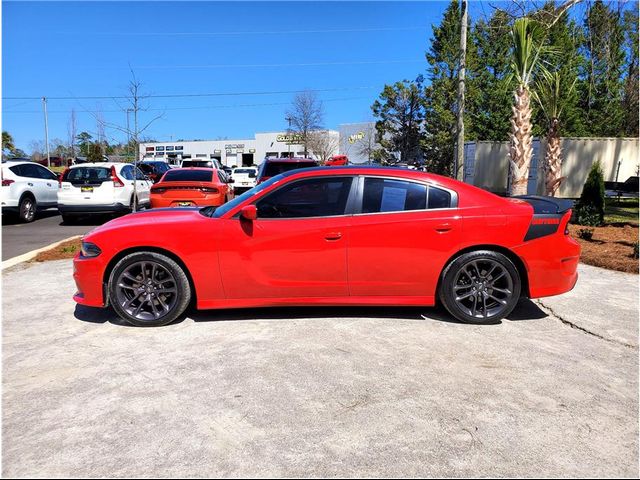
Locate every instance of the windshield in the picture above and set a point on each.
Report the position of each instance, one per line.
(217, 212)
(274, 168)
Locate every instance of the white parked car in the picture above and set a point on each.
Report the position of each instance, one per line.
(244, 178)
(28, 187)
(96, 188)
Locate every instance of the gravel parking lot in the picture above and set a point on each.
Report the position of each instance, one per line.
(319, 392)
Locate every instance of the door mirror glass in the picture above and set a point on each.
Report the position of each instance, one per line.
(249, 212)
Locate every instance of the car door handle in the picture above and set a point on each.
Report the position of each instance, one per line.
(30, 184)
(48, 184)
(333, 236)
(443, 227)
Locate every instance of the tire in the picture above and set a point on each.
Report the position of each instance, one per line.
(68, 219)
(27, 209)
(480, 287)
(133, 296)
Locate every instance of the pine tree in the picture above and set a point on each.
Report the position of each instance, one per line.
(400, 114)
(490, 109)
(630, 99)
(602, 90)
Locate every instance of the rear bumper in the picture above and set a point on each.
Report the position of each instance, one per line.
(89, 209)
(552, 264)
(197, 202)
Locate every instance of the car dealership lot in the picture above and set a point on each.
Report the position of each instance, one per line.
(314, 392)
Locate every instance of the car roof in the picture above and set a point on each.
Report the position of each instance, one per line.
(101, 164)
(290, 160)
(208, 169)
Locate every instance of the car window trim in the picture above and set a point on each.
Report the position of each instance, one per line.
(358, 206)
(347, 209)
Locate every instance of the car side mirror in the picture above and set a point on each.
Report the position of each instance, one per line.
(249, 212)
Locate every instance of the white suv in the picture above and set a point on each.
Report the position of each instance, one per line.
(244, 178)
(27, 187)
(97, 188)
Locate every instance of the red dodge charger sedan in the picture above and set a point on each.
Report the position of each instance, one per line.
(334, 236)
(180, 187)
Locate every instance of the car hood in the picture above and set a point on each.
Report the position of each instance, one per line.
(152, 218)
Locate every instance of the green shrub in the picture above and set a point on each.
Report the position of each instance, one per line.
(592, 198)
(588, 216)
(635, 251)
(586, 233)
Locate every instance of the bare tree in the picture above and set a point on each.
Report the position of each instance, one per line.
(323, 144)
(306, 115)
(367, 145)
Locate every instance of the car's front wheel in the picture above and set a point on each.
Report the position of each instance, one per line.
(148, 289)
(480, 287)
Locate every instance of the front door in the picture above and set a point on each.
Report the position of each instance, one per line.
(297, 247)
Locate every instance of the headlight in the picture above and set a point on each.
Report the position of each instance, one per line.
(89, 250)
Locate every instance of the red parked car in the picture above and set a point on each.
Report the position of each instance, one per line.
(187, 187)
(334, 236)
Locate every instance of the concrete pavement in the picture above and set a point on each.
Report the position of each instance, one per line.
(318, 392)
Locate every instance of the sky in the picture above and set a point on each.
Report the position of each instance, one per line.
(250, 55)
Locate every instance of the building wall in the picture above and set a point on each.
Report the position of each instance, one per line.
(353, 137)
(272, 144)
(491, 164)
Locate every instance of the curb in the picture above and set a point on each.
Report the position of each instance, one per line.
(25, 257)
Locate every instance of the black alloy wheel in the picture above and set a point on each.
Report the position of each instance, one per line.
(480, 287)
(149, 289)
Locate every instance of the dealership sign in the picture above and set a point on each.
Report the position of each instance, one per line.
(290, 138)
(355, 137)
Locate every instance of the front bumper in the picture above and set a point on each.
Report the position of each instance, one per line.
(88, 273)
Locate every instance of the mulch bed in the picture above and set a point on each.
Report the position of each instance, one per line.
(611, 246)
(62, 251)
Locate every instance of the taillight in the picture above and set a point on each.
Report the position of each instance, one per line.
(158, 189)
(62, 175)
(116, 181)
(209, 190)
(7, 182)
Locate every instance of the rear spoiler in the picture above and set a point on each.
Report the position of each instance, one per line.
(546, 205)
(547, 215)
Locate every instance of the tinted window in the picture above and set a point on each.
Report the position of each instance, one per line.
(439, 198)
(188, 176)
(276, 168)
(223, 176)
(250, 171)
(197, 163)
(315, 197)
(17, 169)
(44, 173)
(127, 172)
(30, 170)
(384, 195)
(88, 175)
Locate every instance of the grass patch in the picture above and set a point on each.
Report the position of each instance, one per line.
(66, 249)
(621, 211)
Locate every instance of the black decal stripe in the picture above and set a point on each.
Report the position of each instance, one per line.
(538, 228)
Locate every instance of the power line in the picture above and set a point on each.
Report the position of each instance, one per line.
(244, 33)
(189, 95)
(201, 107)
(278, 65)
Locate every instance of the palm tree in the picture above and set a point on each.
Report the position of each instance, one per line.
(7, 144)
(526, 52)
(549, 93)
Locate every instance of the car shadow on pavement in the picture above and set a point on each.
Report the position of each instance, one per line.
(13, 219)
(525, 310)
(88, 221)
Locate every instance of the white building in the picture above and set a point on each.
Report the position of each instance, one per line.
(231, 152)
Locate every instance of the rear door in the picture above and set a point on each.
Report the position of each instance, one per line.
(401, 235)
(50, 182)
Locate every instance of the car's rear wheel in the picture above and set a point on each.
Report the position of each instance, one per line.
(27, 209)
(480, 287)
(148, 289)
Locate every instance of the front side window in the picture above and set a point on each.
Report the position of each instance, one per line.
(314, 197)
(386, 195)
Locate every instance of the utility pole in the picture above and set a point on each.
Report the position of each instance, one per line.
(288, 119)
(459, 164)
(46, 130)
(128, 133)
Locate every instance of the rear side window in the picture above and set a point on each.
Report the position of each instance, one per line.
(17, 169)
(385, 195)
(276, 168)
(87, 175)
(439, 198)
(315, 197)
(188, 176)
(222, 176)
